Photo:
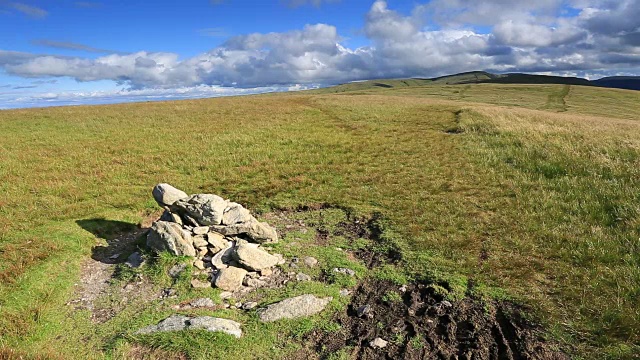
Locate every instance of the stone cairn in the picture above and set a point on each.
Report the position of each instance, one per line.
(219, 234)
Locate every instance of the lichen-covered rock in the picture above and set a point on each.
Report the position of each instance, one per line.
(230, 278)
(299, 306)
(205, 209)
(253, 258)
(166, 195)
(168, 236)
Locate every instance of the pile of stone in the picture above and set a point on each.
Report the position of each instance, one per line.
(219, 234)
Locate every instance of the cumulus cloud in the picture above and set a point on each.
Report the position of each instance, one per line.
(440, 37)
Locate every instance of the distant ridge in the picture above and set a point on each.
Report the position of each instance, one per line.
(476, 77)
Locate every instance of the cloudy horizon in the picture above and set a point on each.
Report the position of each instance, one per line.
(325, 43)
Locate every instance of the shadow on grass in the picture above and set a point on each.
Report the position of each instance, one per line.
(122, 238)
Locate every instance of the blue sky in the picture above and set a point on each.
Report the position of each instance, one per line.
(72, 52)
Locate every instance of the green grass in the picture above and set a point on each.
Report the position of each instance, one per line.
(533, 205)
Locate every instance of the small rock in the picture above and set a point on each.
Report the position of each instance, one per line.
(216, 324)
(446, 303)
(365, 311)
(230, 279)
(249, 305)
(220, 259)
(226, 295)
(217, 241)
(135, 260)
(344, 271)
(299, 306)
(310, 261)
(403, 288)
(169, 236)
(293, 266)
(170, 217)
(166, 195)
(200, 242)
(200, 230)
(344, 292)
(177, 269)
(114, 256)
(378, 343)
(199, 264)
(235, 214)
(303, 277)
(172, 323)
(255, 283)
(200, 284)
(202, 302)
(255, 230)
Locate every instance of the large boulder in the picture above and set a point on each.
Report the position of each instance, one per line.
(169, 236)
(253, 258)
(166, 194)
(230, 278)
(179, 322)
(205, 209)
(299, 306)
(255, 230)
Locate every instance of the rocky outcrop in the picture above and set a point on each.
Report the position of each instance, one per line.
(299, 306)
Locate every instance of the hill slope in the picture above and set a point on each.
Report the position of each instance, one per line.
(490, 192)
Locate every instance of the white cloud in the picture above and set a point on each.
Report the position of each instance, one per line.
(434, 39)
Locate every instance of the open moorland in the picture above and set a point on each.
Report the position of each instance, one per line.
(514, 208)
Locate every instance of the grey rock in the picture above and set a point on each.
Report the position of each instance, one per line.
(166, 195)
(299, 306)
(303, 277)
(310, 261)
(177, 269)
(230, 279)
(202, 302)
(217, 241)
(216, 324)
(199, 241)
(205, 209)
(179, 322)
(168, 236)
(344, 292)
(255, 230)
(254, 283)
(200, 230)
(222, 258)
(344, 271)
(446, 303)
(226, 295)
(199, 264)
(378, 343)
(135, 260)
(253, 258)
(235, 214)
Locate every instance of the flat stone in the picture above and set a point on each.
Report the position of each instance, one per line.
(255, 230)
(230, 279)
(179, 322)
(199, 241)
(166, 195)
(217, 241)
(249, 305)
(254, 258)
(168, 236)
(216, 324)
(303, 277)
(199, 264)
(299, 306)
(310, 261)
(226, 295)
(205, 209)
(200, 284)
(221, 259)
(200, 230)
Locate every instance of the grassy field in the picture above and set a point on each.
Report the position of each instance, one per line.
(531, 191)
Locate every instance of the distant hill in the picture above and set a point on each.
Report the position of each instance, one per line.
(478, 77)
(619, 82)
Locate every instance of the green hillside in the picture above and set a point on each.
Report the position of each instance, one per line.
(492, 192)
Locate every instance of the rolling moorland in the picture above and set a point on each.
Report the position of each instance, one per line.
(520, 193)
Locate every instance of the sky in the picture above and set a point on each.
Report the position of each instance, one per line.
(64, 52)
